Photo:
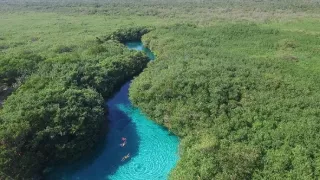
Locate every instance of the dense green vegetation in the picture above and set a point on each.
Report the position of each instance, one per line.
(57, 114)
(127, 34)
(244, 99)
(236, 80)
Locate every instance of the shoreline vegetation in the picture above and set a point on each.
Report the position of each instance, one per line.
(237, 81)
(56, 115)
(242, 98)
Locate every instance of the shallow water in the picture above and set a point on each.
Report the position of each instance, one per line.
(152, 149)
(139, 47)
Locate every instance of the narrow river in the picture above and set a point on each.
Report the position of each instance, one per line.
(135, 147)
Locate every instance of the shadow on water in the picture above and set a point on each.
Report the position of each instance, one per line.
(108, 157)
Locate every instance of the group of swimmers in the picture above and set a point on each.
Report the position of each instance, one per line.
(124, 142)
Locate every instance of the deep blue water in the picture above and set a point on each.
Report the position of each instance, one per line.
(152, 150)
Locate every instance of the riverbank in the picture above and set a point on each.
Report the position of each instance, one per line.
(56, 115)
(152, 149)
(232, 76)
(235, 93)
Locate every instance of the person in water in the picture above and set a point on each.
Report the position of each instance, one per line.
(124, 141)
(125, 157)
(123, 144)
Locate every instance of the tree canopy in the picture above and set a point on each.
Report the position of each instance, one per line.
(239, 96)
(57, 114)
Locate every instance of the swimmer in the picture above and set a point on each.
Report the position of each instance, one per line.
(124, 141)
(123, 144)
(125, 157)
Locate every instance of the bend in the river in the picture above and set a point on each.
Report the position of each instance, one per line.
(135, 148)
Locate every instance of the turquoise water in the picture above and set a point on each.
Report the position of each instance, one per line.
(139, 47)
(152, 149)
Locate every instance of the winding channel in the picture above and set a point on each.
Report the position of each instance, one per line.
(153, 151)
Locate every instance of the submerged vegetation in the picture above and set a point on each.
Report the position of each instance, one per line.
(237, 81)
